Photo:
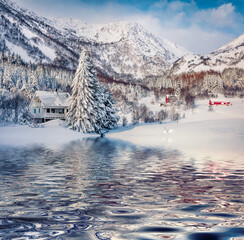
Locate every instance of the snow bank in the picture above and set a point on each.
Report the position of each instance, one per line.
(51, 134)
(201, 133)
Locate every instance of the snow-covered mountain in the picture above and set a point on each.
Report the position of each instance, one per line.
(230, 55)
(24, 33)
(118, 31)
(120, 50)
(123, 50)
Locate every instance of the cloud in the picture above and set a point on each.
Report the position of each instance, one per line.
(172, 5)
(104, 12)
(223, 16)
(194, 38)
(197, 39)
(200, 31)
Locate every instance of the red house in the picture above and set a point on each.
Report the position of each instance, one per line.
(170, 99)
(216, 103)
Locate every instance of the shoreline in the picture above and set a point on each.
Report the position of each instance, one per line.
(220, 132)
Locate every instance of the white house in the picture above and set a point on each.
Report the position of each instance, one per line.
(46, 106)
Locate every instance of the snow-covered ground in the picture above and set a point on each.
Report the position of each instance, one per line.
(220, 132)
(51, 134)
(202, 133)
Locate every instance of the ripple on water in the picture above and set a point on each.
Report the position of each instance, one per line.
(109, 190)
(230, 233)
(131, 216)
(194, 208)
(206, 236)
(159, 230)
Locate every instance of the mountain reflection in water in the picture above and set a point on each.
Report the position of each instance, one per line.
(106, 189)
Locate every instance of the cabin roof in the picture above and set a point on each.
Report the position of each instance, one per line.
(53, 99)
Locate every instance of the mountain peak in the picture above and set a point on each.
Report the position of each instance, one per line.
(121, 50)
(230, 55)
(115, 32)
(238, 42)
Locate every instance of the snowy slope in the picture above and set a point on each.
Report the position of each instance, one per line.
(230, 55)
(120, 50)
(24, 33)
(127, 49)
(117, 31)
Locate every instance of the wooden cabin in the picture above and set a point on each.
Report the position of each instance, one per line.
(47, 106)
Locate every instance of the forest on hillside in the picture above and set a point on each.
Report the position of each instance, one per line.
(19, 81)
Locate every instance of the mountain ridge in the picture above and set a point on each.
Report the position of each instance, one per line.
(230, 55)
(121, 51)
(132, 54)
(122, 28)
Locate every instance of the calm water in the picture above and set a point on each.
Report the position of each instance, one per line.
(104, 189)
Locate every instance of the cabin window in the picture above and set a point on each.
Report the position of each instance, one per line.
(39, 110)
(52, 110)
(34, 110)
(67, 110)
(61, 111)
(48, 110)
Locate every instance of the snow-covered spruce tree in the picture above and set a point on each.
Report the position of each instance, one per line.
(91, 108)
(81, 115)
(106, 117)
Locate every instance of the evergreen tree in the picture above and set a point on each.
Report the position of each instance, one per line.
(23, 77)
(7, 81)
(92, 106)
(106, 117)
(81, 116)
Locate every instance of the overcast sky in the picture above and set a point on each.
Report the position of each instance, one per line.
(200, 26)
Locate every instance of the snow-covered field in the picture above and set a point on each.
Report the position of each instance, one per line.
(218, 133)
(52, 134)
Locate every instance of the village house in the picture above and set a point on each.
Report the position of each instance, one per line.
(47, 106)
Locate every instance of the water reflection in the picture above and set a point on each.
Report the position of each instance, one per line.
(104, 189)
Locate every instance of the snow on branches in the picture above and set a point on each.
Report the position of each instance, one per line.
(91, 108)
